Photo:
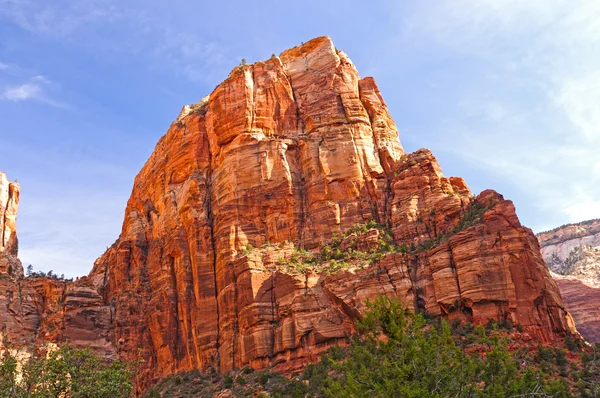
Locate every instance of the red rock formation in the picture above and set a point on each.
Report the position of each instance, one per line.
(37, 310)
(573, 252)
(9, 246)
(288, 155)
(583, 302)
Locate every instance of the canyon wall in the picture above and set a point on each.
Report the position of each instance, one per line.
(572, 253)
(272, 211)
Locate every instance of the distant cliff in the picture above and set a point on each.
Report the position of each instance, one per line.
(572, 252)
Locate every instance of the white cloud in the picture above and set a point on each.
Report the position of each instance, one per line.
(536, 123)
(59, 18)
(33, 89)
(121, 27)
(23, 92)
(579, 98)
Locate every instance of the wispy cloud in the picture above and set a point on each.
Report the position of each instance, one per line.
(198, 59)
(120, 28)
(31, 90)
(60, 18)
(579, 99)
(534, 117)
(23, 92)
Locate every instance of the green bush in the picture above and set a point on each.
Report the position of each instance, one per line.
(240, 380)
(66, 372)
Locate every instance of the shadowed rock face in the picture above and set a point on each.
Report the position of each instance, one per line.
(573, 254)
(290, 154)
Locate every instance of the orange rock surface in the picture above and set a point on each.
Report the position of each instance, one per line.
(286, 156)
(9, 245)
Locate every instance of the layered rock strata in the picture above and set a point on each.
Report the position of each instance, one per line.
(288, 154)
(572, 252)
(240, 243)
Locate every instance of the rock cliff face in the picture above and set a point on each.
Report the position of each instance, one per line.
(573, 254)
(273, 209)
(37, 310)
(9, 246)
(287, 155)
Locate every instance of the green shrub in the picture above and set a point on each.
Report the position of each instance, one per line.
(67, 372)
(240, 380)
(228, 381)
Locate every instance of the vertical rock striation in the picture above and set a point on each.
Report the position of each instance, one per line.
(285, 158)
(289, 154)
(9, 245)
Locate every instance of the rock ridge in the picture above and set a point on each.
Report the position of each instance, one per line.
(572, 252)
(271, 211)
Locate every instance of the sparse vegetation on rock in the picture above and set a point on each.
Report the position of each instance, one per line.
(399, 354)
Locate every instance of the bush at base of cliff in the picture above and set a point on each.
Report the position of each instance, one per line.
(399, 354)
(65, 372)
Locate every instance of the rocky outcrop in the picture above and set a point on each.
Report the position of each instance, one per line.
(572, 252)
(9, 246)
(283, 157)
(272, 210)
(37, 310)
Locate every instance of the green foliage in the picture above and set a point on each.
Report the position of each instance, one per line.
(152, 394)
(472, 216)
(228, 381)
(50, 274)
(240, 380)
(589, 376)
(66, 372)
(581, 223)
(415, 359)
(399, 354)
(334, 257)
(248, 249)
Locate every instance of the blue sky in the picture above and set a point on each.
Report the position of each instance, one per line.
(506, 93)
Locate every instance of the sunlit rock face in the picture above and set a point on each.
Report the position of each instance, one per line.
(289, 154)
(281, 162)
(573, 255)
(9, 246)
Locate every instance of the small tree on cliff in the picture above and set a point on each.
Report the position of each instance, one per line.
(66, 372)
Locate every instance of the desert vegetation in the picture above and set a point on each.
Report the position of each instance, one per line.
(400, 354)
(67, 373)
